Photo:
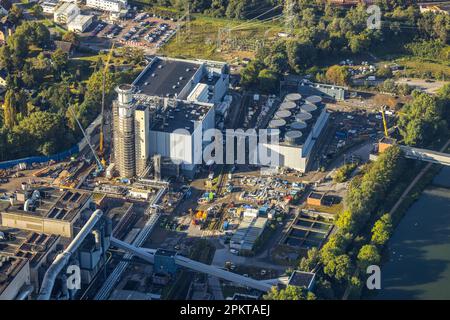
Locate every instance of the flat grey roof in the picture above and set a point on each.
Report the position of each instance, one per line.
(164, 74)
(183, 116)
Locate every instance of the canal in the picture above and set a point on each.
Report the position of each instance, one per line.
(418, 265)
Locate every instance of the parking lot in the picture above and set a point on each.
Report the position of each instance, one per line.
(143, 31)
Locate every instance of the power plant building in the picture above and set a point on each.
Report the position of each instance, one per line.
(35, 227)
(170, 103)
(301, 122)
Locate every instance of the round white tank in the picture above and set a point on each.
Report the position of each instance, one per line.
(282, 114)
(288, 105)
(294, 97)
(313, 99)
(303, 116)
(293, 137)
(308, 107)
(298, 125)
(277, 123)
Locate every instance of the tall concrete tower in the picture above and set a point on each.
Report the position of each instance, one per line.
(124, 136)
(142, 136)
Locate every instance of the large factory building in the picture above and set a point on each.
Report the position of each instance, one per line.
(168, 104)
(300, 123)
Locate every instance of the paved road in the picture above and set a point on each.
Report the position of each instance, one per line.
(428, 87)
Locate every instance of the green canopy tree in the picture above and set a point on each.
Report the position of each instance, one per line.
(382, 230)
(338, 75)
(289, 293)
(368, 255)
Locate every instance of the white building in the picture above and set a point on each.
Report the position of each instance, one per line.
(49, 6)
(248, 233)
(299, 133)
(177, 133)
(65, 13)
(107, 5)
(80, 23)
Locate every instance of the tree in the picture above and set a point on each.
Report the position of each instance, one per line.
(338, 75)
(14, 106)
(60, 60)
(339, 267)
(368, 255)
(268, 81)
(36, 10)
(249, 75)
(421, 120)
(41, 131)
(71, 37)
(289, 293)
(309, 263)
(15, 14)
(381, 231)
(384, 72)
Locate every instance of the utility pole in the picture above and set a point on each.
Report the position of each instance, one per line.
(186, 17)
(289, 17)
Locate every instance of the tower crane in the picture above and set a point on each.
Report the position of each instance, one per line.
(100, 166)
(102, 141)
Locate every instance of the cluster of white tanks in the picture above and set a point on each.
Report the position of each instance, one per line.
(292, 116)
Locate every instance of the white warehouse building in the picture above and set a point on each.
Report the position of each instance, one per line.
(300, 123)
(65, 12)
(107, 5)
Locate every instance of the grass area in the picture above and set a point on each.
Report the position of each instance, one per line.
(201, 42)
(334, 209)
(281, 255)
(425, 68)
(52, 25)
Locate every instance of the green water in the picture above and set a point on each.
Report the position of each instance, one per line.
(419, 251)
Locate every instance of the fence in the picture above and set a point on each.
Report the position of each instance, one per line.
(59, 156)
(40, 159)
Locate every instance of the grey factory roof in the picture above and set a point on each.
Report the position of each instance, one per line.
(299, 119)
(53, 204)
(183, 116)
(302, 279)
(26, 244)
(9, 268)
(163, 74)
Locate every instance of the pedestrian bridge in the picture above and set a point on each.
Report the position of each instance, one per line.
(426, 155)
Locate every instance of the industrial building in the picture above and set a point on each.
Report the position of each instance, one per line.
(248, 233)
(65, 12)
(107, 5)
(36, 226)
(49, 6)
(46, 210)
(300, 122)
(174, 130)
(80, 23)
(170, 103)
(69, 14)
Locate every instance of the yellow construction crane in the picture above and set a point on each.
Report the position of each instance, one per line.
(102, 142)
(383, 114)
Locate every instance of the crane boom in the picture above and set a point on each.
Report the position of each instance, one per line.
(101, 144)
(99, 164)
(383, 114)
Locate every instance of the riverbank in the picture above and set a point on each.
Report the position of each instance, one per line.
(418, 254)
